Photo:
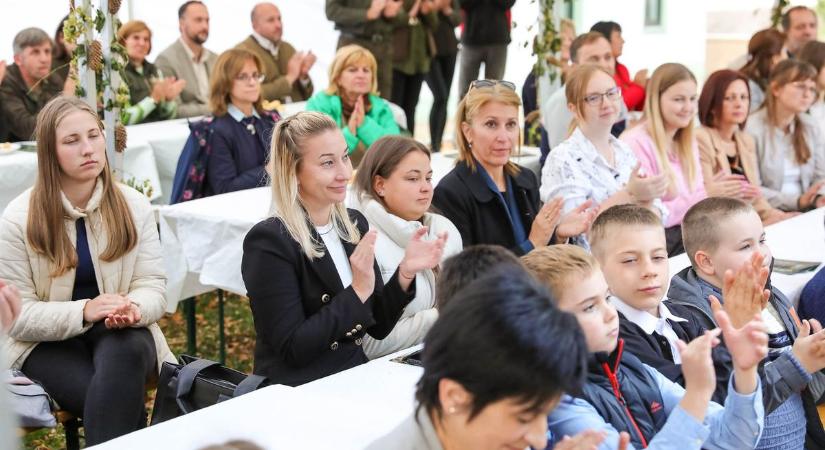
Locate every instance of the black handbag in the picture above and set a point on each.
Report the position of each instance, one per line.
(198, 383)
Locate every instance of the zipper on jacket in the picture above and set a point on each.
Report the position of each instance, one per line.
(614, 383)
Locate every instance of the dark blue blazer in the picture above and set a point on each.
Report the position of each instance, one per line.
(238, 157)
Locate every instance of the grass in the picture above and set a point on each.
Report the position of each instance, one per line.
(240, 343)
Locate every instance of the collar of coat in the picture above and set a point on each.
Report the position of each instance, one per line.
(74, 212)
(475, 181)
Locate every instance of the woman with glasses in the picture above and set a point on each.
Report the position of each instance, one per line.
(352, 100)
(592, 164)
(790, 146)
(724, 146)
(240, 140)
(490, 199)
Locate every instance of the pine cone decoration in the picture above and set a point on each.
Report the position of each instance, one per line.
(120, 138)
(95, 56)
(114, 6)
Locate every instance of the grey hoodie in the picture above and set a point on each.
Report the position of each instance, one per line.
(782, 377)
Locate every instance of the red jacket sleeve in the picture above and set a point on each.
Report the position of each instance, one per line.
(632, 93)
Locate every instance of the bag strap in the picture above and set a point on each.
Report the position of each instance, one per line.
(186, 378)
(249, 384)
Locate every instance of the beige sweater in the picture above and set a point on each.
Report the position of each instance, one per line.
(48, 314)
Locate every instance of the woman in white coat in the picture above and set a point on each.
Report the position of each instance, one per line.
(394, 191)
(84, 253)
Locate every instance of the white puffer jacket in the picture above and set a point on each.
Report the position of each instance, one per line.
(393, 235)
(48, 314)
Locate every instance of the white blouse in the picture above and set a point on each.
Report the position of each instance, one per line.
(335, 248)
(576, 171)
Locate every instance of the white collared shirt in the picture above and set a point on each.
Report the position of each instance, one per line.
(576, 171)
(199, 67)
(650, 323)
(237, 114)
(267, 44)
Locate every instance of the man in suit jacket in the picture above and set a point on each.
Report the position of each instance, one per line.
(287, 71)
(187, 59)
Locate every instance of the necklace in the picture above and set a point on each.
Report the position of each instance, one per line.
(323, 230)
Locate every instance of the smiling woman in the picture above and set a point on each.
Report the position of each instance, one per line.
(151, 96)
(311, 319)
(352, 100)
(85, 254)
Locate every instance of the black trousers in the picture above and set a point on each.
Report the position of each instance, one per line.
(99, 376)
(439, 80)
(405, 92)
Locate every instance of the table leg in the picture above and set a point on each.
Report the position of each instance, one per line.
(191, 326)
(221, 331)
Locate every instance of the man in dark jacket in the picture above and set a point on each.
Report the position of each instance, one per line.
(29, 83)
(370, 24)
(484, 40)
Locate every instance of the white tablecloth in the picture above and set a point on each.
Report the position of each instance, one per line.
(18, 170)
(203, 239)
(320, 415)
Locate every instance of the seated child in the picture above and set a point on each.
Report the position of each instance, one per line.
(624, 394)
(629, 243)
(459, 270)
(721, 235)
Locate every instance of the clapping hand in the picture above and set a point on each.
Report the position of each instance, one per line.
(376, 9)
(545, 222)
(806, 200)
(361, 262)
(809, 347)
(421, 254)
(748, 345)
(726, 185)
(646, 188)
(356, 119)
(699, 373)
(577, 221)
(173, 88)
(392, 7)
(744, 293)
(306, 63)
(590, 440)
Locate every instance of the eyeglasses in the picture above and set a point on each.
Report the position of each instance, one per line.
(613, 94)
(804, 88)
(256, 77)
(490, 83)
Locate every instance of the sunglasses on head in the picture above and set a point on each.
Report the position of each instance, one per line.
(490, 83)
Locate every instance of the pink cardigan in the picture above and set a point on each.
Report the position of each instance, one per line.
(643, 146)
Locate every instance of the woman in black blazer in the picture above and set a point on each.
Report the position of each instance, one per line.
(310, 271)
(490, 199)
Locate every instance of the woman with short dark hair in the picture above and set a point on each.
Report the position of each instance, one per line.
(492, 369)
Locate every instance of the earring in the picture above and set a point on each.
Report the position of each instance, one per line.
(381, 194)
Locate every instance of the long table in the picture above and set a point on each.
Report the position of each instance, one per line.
(345, 411)
(152, 154)
(203, 239)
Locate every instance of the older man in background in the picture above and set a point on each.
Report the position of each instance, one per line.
(29, 83)
(286, 71)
